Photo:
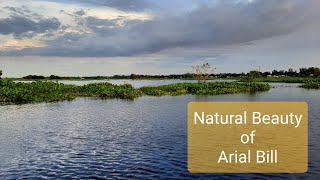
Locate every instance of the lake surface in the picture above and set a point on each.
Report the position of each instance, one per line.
(135, 83)
(139, 139)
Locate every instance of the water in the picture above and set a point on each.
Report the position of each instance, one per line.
(135, 83)
(139, 139)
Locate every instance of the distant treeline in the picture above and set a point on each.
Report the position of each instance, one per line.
(50, 77)
(303, 72)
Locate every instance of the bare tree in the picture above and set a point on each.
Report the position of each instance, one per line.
(198, 72)
(202, 72)
(205, 69)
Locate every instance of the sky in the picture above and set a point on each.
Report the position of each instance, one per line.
(108, 37)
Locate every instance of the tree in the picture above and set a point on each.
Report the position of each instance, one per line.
(198, 72)
(304, 72)
(202, 72)
(254, 74)
(266, 74)
(291, 73)
(54, 77)
(0, 74)
(251, 76)
(33, 77)
(188, 75)
(316, 72)
(205, 68)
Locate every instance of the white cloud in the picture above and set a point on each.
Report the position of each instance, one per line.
(15, 44)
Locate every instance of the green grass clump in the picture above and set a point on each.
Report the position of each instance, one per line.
(311, 85)
(35, 92)
(211, 88)
(126, 91)
(42, 91)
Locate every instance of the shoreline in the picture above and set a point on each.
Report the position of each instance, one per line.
(259, 79)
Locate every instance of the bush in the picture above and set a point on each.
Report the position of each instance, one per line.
(311, 85)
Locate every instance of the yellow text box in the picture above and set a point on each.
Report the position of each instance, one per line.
(247, 137)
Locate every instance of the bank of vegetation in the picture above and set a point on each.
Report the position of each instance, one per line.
(39, 91)
(201, 72)
(286, 79)
(311, 85)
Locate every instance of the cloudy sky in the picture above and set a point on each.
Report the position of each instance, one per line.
(107, 37)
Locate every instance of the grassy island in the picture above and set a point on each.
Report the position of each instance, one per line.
(210, 88)
(42, 91)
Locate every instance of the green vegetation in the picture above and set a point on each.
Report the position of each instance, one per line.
(251, 76)
(54, 77)
(11, 92)
(204, 88)
(311, 85)
(286, 79)
(35, 77)
(105, 90)
(201, 73)
(39, 91)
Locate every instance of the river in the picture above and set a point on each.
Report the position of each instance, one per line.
(144, 138)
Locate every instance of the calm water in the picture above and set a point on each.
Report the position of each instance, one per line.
(144, 138)
(135, 83)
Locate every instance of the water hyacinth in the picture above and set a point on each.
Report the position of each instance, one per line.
(212, 88)
(11, 92)
(126, 91)
(39, 91)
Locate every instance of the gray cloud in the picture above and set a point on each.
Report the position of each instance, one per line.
(126, 5)
(23, 23)
(123, 4)
(205, 26)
